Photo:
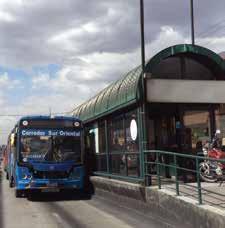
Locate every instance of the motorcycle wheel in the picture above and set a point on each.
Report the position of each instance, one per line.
(205, 173)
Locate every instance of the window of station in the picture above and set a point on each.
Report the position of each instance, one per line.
(96, 141)
(131, 142)
(123, 145)
(117, 137)
(101, 158)
(116, 145)
(220, 119)
(197, 130)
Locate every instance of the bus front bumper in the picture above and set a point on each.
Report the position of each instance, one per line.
(50, 184)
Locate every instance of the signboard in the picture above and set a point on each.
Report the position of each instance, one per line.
(185, 91)
(33, 132)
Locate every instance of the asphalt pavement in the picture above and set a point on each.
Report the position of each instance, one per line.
(70, 209)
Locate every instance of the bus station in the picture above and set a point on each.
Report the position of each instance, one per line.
(185, 105)
(184, 98)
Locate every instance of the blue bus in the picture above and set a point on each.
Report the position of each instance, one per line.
(45, 154)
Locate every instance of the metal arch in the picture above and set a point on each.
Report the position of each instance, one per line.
(184, 48)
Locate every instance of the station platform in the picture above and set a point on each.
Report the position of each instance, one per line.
(164, 202)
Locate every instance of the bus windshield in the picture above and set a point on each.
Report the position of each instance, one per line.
(50, 148)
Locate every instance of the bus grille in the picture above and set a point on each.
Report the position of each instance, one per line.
(50, 174)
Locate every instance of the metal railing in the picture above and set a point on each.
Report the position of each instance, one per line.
(175, 161)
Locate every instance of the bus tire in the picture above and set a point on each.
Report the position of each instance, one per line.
(18, 193)
(11, 182)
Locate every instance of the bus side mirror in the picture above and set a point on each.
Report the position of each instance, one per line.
(13, 139)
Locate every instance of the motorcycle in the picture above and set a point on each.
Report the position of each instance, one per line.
(212, 170)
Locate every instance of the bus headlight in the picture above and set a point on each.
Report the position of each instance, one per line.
(26, 176)
(24, 173)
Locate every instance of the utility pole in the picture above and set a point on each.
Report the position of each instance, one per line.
(143, 127)
(192, 22)
(142, 35)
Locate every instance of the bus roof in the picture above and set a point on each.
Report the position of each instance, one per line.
(49, 118)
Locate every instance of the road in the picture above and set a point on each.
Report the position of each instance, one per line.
(69, 210)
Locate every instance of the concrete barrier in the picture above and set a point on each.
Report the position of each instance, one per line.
(180, 209)
(131, 190)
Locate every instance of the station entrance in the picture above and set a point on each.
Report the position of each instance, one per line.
(180, 127)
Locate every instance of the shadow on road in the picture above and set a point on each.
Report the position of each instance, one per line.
(65, 195)
(68, 216)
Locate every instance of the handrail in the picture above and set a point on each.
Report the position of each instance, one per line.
(174, 159)
(183, 155)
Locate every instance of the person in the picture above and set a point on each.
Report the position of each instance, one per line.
(58, 149)
(25, 148)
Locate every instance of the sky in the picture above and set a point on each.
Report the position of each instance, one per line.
(56, 54)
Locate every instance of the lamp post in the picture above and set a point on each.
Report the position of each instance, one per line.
(192, 22)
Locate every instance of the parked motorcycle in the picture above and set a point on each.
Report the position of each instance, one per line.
(210, 170)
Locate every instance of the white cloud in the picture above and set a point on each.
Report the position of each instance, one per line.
(94, 42)
(6, 83)
(41, 81)
(7, 17)
(217, 44)
(95, 71)
(66, 40)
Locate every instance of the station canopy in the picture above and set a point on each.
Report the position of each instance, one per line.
(183, 61)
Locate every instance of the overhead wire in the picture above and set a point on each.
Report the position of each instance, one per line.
(212, 28)
(215, 28)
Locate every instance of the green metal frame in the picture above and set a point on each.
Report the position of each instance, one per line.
(108, 172)
(141, 148)
(185, 48)
(119, 177)
(107, 145)
(176, 167)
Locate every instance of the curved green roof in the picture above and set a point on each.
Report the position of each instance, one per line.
(121, 93)
(126, 91)
(185, 48)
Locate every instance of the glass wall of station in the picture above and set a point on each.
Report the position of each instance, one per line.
(220, 122)
(113, 144)
(183, 128)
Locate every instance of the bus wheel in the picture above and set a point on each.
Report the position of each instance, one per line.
(11, 182)
(18, 193)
